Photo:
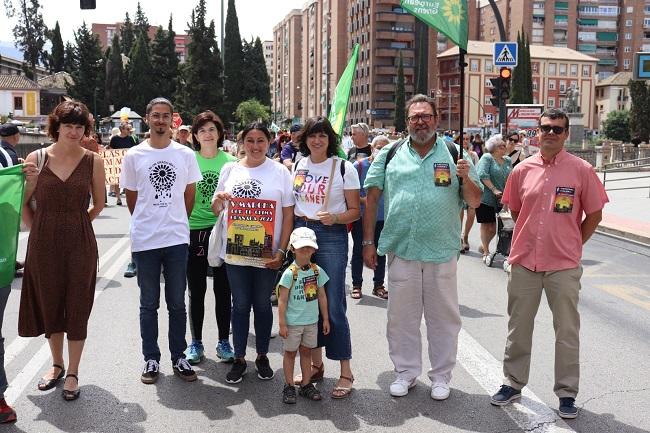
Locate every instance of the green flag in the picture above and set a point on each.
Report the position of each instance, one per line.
(449, 17)
(11, 204)
(341, 96)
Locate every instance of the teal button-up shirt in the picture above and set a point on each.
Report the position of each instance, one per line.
(421, 202)
(489, 168)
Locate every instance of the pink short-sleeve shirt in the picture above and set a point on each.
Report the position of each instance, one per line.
(551, 198)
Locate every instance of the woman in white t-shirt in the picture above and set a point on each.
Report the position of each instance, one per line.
(256, 195)
(326, 190)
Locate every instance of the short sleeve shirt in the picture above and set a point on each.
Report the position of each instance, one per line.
(302, 307)
(488, 168)
(551, 198)
(118, 142)
(362, 167)
(160, 177)
(422, 202)
(310, 184)
(202, 216)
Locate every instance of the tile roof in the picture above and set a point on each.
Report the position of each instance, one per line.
(55, 81)
(16, 82)
(536, 52)
(618, 79)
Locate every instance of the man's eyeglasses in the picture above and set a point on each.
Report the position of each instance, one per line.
(557, 130)
(423, 117)
(158, 116)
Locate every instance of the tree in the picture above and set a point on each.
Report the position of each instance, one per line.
(202, 85)
(69, 58)
(164, 61)
(141, 23)
(233, 62)
(140, 74)
(640, 109)
(29, 33)
(257, 84)
(251, 110)
(57, 56)
(422, 62)
(522, 82)
(616, 126)
(400, 123)
(127, 35)
(87, 69)
(115, 84)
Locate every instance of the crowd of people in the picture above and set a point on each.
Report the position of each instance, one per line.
(401, 202)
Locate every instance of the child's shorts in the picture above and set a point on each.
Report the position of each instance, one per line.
(301, 335)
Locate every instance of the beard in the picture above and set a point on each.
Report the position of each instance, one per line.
(421, 136)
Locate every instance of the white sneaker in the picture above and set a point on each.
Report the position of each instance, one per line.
(401, 387)
(440, 391)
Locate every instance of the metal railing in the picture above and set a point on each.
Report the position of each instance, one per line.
(625, 166)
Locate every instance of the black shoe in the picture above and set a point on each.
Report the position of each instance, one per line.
(568, 409)
(183, 369)
(130, 270)
(237, 371)
(150, 372)
(505, 395)
(289, 394)
(264, 370)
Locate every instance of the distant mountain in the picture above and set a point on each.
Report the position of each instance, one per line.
(9, 50)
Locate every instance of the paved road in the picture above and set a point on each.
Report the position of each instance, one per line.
(615, 385)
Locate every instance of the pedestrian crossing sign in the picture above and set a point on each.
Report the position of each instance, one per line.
(505, 54)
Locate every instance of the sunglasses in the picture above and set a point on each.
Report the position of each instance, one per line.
(557, 130)
(514, 140)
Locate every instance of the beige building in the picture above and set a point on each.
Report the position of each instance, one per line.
(287, 68)
(555, 70)
(612, 94)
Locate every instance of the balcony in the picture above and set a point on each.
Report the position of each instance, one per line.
(396, 36)
(386, 70)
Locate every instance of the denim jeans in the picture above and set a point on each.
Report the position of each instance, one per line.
(251, 287)
(332, 256)
(173, 263)
(4, 295)
(357, 255)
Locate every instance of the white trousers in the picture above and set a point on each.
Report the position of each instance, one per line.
(418, 288)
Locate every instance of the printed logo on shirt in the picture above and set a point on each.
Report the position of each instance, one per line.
(248, 188)
(299, 179)
(162, 175)
(441, 174)
(207, 186)
(563, 202)
(310, 287)
(312, 188)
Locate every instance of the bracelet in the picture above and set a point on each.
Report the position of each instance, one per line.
(336, 219)
(280, 250)
(366, 243)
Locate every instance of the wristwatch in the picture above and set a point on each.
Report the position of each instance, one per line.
(366, 243)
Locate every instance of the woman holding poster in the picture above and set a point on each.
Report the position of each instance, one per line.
(207, 136)
(326, 190)
(256, 199)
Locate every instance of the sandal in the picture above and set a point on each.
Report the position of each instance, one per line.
(71, 395)
(380, 292)
(356, 293)
(289, 394)
(316, 377)
(45, 384)
(340, 392)
(310, 392)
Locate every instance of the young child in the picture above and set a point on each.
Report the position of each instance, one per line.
(301, 284)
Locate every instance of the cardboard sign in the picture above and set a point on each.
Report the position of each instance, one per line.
(112, 164)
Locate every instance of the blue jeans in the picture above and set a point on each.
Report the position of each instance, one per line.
(173, 263)
(332, 256)
(251, 287)
(4, 295)
(357, 255)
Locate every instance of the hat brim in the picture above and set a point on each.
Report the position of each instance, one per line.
(304, 243)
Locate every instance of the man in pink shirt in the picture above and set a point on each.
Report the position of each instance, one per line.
(556, 200)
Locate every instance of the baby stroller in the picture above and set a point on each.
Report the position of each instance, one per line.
(505, 226)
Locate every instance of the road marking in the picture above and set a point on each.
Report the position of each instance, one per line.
(31, 369)
(531, 413)
(631, 294)
(22, 236)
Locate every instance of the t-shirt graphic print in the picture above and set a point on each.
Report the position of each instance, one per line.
(162, 175)
(207, 186)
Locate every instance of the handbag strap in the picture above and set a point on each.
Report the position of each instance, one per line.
(329, 185)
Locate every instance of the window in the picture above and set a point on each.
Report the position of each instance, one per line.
(473, 65)
(630, 9)
(535, 67)
(626, 63)
(627, 49)
(562, 102)
(628, 23)
(563, 69)
(550, 103)
(488, 66)
(646, 22)
(573, 70)
(551, 84)
(562, 87)
(586, 70)
(551, 69)
(534, 85)
(628, 36)
(18, 102)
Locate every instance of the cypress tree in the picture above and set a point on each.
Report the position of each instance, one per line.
(640, 109)
(57, 56)
(422, 62)
(140, 73)
(164, 61)
(69, 58)
(257, 84)
(518, 80)
(87, 69)
(400, 121)
(127, 35)
(233, 63)
(528, 89)
(141, 23)
(115, 84)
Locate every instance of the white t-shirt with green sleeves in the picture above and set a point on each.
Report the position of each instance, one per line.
(202, 216)
(302, 306)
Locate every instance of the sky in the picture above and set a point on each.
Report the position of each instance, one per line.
(256, 17)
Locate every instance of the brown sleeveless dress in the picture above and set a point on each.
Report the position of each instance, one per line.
(61, 263)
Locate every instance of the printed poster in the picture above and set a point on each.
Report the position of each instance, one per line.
(112, 164)
(563, 202)
(251, 223)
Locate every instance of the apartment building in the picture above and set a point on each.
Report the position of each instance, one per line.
(555, 70)
(286, 80)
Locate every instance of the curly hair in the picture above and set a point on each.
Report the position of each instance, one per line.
(73, 112)
(200, 120)
(315, 125)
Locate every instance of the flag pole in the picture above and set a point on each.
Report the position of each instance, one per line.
(461, 111)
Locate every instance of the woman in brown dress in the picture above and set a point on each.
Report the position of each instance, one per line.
(61, 263)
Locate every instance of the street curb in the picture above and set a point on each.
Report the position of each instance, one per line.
(634, 237)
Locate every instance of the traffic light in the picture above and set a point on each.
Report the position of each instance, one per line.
(504, 84)
(87, 4)
(496, 91)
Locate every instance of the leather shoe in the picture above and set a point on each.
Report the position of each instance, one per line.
(45, 384)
